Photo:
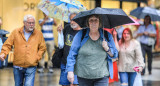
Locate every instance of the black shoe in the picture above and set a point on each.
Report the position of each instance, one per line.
(142, 74)
(150, 72)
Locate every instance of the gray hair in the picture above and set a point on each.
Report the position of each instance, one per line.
(28, 16)
(72, 14)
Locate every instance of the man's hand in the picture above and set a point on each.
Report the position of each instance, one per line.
(70, 77)
(146, 33)
(2, 57)
(46, 18)
(59, 28)
(114, 33)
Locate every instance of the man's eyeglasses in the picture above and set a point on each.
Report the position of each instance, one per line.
(30, 23)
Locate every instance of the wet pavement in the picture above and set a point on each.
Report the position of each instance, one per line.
(49, 79)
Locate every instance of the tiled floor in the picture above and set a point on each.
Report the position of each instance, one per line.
(47, 79)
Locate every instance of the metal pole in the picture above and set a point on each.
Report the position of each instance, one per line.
(98, 3)
(138, 4)
(120, 4)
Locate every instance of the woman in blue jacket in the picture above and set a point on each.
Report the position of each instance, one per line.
(90, 57)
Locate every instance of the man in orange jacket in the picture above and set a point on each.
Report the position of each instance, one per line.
(29, 46)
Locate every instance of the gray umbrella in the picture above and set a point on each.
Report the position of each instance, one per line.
(110, 17)
(141, 12)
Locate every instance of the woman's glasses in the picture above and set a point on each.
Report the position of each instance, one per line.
(94, 20)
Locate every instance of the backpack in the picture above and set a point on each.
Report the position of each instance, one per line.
(57, 57)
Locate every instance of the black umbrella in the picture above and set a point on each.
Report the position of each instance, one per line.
(110, 17)
(145, 1)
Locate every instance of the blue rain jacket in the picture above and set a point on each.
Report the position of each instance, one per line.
(78, 43)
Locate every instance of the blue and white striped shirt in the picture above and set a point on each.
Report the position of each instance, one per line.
(47, 29)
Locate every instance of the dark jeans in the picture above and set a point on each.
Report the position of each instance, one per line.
(147, 49)
(25, 76)
(93, 82)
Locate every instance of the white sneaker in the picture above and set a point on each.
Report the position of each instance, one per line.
(41, 70)
(50, 70)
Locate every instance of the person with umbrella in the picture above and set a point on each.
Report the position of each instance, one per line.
(146, 34)
(47, 29)
(91, 55)
(92, 48)
(69, 32)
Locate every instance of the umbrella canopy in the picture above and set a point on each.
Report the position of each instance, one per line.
(135, 22)
(145, 1)
(141, 12)
(60, 9)
(110, 17)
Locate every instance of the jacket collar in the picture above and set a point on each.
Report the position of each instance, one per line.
(100, 31)
(22, 29)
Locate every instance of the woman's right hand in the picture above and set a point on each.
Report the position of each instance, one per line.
(59, 28)
(70, 77)
(114, 33)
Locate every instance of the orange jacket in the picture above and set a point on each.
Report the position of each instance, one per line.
(26, 53)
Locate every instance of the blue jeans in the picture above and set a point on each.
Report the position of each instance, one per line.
(27, 74)
(127, 77)
(93, 82)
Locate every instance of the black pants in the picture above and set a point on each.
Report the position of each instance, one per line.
(147, 50)
(93, 82)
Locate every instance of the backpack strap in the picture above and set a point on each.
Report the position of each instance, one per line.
(83, 33)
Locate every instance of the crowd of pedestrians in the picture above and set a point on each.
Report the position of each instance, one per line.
(89, 58)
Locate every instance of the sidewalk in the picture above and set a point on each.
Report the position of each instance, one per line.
(154, 78)
(46, 79)
(155, 71)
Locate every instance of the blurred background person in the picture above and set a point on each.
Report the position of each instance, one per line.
(130, 56)
(147, 34)
(69, 32)
(91, 57)
(119, 30)
(47, 29)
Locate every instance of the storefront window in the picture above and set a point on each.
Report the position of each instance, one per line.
(129, 6)
(110, 4)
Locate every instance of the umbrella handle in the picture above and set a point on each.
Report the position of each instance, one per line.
(103, 34)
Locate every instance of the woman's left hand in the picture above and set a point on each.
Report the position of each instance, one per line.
(105, 45)
(70, 77)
